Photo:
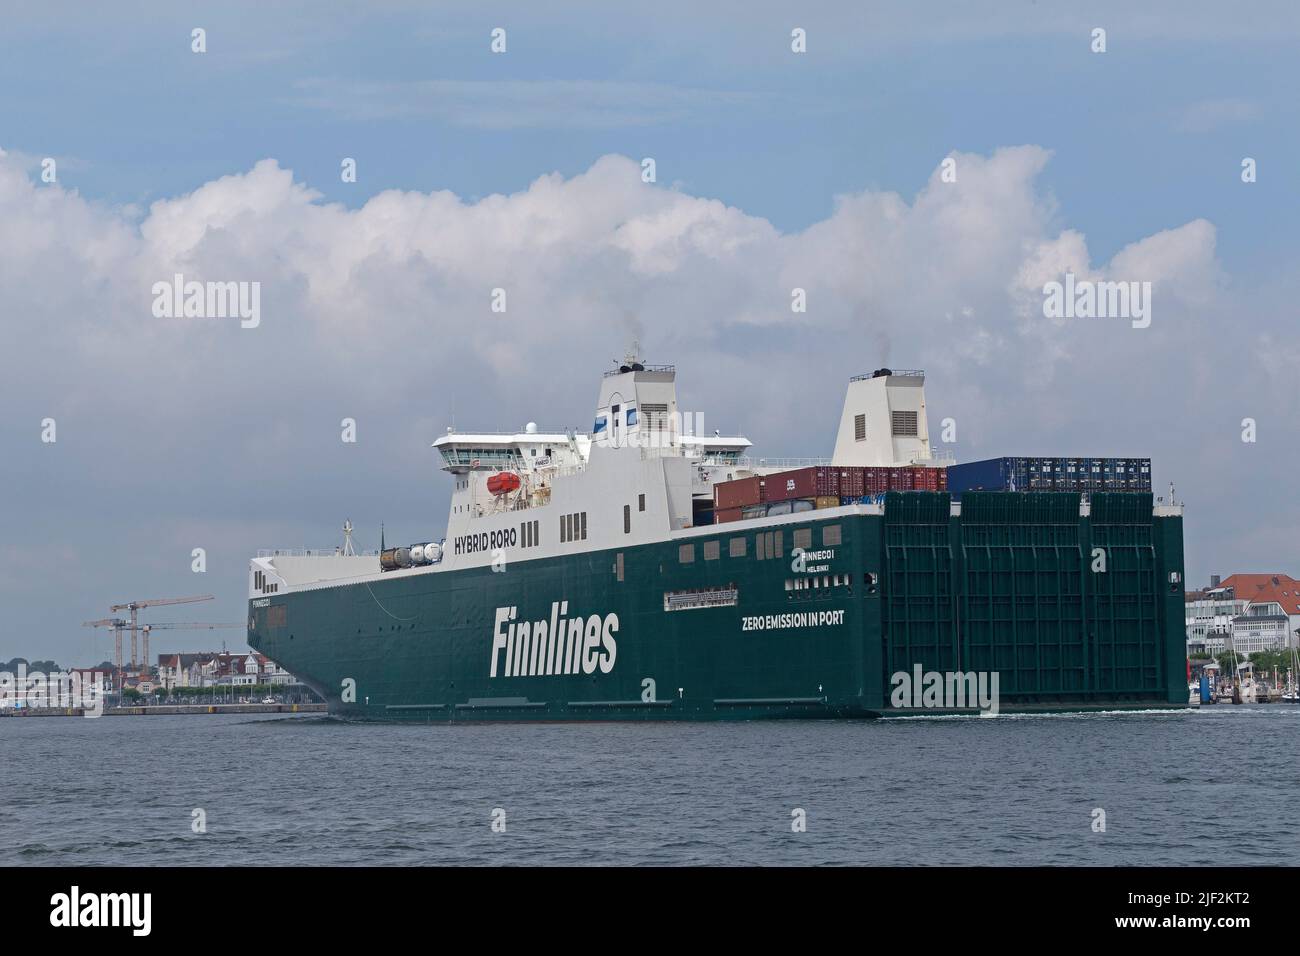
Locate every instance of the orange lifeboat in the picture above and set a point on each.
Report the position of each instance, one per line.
(503, 483)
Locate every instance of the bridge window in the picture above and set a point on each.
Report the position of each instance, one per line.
(802, 538)
(686, 554)
(830, 535)
(712, 549)
(736, 547)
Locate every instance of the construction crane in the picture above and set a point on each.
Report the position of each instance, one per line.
(134, 607)
(118, 625)
(193, 625)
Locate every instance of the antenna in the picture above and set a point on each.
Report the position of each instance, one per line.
(347, 538)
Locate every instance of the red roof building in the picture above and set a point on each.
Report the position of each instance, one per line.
(1266, 588)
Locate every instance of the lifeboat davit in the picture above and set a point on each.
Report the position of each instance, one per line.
(503, 483)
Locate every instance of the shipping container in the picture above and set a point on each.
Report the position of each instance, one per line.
(803, 483)
(724, 515)
(852, 482)
(1072, 475)
(875, 481)
(739, 493)
(929, 479)
(798, 505)
(828, 501)
(753, 511)
(992, 474)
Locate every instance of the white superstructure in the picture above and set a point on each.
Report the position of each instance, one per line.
(641, 475)
(883, 422)
(537, 493)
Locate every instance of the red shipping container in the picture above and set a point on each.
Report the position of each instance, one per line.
(800, 483)
(875, 480)
(924, 479)
(739, 493)
(900, 479)
(852, 483)
(813, 482)
(931, 479)
(726, 514)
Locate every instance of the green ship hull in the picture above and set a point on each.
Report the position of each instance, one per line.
(704, 627)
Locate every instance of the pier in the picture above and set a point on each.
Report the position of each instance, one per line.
(168, 709)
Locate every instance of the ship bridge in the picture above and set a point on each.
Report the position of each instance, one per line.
(637, 420)
(523, 451)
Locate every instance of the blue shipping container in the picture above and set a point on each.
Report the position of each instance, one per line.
(1045, 473)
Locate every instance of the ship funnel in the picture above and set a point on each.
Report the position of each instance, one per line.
(637, 407)
(883, 422)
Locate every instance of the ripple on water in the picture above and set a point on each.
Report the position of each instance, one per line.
(320, 791)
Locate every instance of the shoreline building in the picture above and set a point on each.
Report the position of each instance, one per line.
(1246, 613)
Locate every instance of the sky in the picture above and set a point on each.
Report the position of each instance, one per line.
(523, 170)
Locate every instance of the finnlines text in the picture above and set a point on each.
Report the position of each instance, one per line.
(777, 622)
(554, 645)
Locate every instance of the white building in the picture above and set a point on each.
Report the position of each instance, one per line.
(1263, 628)
(1209, 622)
(1246, 613)
(187, 670)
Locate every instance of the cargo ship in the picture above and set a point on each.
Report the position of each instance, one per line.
(643, 571)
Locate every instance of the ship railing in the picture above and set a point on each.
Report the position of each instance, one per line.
(942, 456)
(312, 553)
(641, 368)
(493, 509)
(781, 462)
(939, 459)
(562, 470)
(662, 450)
(893, 373)
(541, 432)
